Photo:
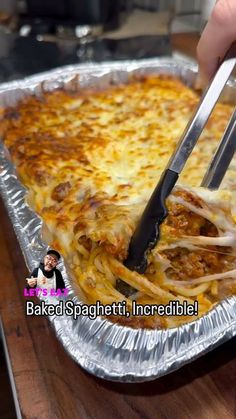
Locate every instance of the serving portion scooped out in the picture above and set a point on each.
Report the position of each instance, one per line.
(90, 161)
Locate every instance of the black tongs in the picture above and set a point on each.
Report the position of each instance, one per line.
(148, 230)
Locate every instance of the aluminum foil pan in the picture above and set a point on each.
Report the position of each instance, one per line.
(104, 349)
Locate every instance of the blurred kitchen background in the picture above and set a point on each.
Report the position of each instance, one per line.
(63, 17)
(37, 35)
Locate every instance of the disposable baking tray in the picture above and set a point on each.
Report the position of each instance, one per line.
(104, 349)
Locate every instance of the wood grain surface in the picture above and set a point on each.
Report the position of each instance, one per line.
(51, 385)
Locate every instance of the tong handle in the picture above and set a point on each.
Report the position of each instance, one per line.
(222, 157)
(202, 114)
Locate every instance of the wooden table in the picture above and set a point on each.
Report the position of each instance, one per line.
(49, 384)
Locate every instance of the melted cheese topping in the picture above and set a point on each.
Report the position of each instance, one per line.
(91, 160)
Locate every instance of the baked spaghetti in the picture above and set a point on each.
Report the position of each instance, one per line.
(90, 161)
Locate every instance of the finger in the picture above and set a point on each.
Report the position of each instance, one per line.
(217, 37)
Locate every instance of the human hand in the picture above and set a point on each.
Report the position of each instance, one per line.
(44, 280)
(217, 37)
(31, 281)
